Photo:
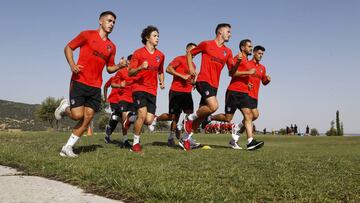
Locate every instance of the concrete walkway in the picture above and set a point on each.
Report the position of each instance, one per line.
(16, 188)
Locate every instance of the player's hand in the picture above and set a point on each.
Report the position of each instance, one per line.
(186, 77)
(239, 56)
(162, 85)
(252, 71)
(145, 65)
(76, 68)
(268, 78)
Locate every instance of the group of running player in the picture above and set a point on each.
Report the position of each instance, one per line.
(135, 84)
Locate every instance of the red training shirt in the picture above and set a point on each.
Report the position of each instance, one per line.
(125, 93)
(255, 79)
(94, 54)
(146, 80)
(240, 84)
(212, 61)
(113, 97)
(178, 84)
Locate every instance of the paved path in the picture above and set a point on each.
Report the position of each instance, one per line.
(15, 188)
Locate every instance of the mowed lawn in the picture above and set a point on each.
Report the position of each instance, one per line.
(286, 169)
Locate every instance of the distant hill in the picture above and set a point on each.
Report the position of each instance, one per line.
(21, 116)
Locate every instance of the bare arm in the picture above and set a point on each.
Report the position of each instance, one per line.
(189, 59)
(134, 71)
(114, 68)
(244, 73)
(233, 70)
(105, 93)
(70, 59)
(173, 72)
(161, 80)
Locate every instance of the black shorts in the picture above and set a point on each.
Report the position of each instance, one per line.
(144, 99)
(206, 91)
(84, 95)
(122, 106)
(253, 103)
(180, 101)
(236, 100)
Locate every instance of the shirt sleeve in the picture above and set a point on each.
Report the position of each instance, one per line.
(134, 62)
(111, 60)
(79, 40)
(175, 63)
(230, 60)
(200, 48)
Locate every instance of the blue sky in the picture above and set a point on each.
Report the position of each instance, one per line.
(311, 50)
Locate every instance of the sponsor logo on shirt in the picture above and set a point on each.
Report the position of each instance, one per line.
(98, 54)
(213, 58)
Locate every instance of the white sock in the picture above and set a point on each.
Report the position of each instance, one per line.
(171, 135)
(154, 121)
(132, 118)
(125, 138)
(250, 139)
(235, 137)
(193, 116)
(179, 126)
(72, 140)
(136, 139)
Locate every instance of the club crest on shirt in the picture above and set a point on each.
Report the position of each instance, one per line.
(224, 53)
(109, 48)
(261, 70)
(158, 59)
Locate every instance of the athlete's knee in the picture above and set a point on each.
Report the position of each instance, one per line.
(213, 107)
(77, 115)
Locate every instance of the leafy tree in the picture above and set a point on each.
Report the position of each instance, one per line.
(342, 128)
(338, 128)
(332, 131)
(314, 132)
(282, 131)
(45, 111)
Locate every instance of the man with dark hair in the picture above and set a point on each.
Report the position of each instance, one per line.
(237, 98)
(180, 98)
(255, 79)
(121, 103)
(146, 66)
(214, 56)
(96, 51)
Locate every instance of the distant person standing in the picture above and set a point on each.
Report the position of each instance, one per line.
(307, 130)
(146, 67)
(295, 129)
(96, 51)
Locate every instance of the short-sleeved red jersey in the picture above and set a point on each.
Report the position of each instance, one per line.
(94, 54)
(178, 84)
(212, 61)
(114, 96)
(240, 84)
(147, 80)
(255, 79)
(125, 93)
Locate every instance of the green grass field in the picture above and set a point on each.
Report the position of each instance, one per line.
(287, 169)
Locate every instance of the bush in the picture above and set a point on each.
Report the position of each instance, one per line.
(314, 132)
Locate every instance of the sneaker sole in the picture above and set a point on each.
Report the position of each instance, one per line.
(258, 146)
(56, 113)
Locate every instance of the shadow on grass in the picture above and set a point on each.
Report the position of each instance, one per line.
(85, 149)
